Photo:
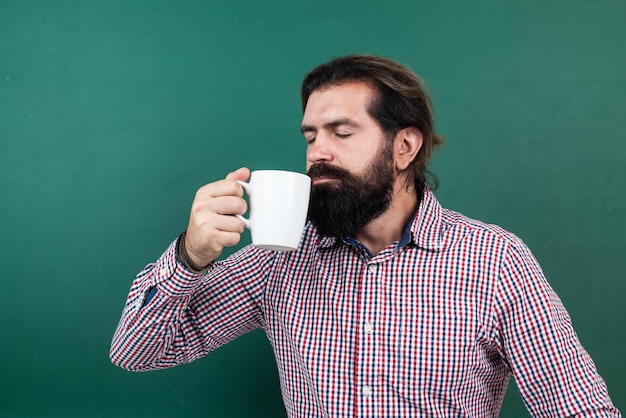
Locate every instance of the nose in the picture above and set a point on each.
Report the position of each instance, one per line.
(319, 150)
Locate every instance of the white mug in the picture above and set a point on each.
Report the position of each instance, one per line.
(279, 202)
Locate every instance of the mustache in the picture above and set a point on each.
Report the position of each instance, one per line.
(327, 170)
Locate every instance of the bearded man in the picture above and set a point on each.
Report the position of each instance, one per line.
(391, 305)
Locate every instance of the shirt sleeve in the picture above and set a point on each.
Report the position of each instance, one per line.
(190, 314)
(555, 375)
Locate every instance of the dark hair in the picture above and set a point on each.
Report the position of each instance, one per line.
(400, 102)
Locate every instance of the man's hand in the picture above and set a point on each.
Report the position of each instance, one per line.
(212, 225)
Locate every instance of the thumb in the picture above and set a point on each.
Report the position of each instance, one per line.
(242, 174)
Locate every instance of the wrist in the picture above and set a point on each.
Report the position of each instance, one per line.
(183, 257)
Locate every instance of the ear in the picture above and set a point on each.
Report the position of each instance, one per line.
(407, 144)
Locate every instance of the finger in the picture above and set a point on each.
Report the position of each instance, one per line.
(242, 174)
(227, 205)
(229, 239)
(208, 246)
(220, 188)
(227, 223)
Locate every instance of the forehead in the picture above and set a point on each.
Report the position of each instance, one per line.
(348, 100)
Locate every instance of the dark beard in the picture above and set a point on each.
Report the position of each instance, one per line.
(345, 205)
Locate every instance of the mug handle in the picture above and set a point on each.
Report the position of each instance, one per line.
(247, 188)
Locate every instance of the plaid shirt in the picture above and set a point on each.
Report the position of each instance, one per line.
(434, 325)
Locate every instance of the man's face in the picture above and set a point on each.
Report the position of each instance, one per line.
(348, 158)
(338, 129)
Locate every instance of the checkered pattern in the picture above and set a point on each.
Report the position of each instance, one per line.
(432, 328)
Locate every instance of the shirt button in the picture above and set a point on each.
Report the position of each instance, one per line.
(368, 327)
(163, 273)
(372, 268)
(366, 391)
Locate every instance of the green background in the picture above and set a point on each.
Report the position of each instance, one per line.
(112, 114)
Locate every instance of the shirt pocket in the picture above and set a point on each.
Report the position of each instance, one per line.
(431, 372)
(432, 345)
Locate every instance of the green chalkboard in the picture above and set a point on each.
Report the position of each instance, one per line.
(112, 114)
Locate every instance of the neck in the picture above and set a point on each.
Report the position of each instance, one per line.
(388, 227)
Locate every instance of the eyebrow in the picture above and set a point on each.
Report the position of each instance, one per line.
(330, 125)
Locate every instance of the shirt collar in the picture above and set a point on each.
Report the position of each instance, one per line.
(424, 229)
